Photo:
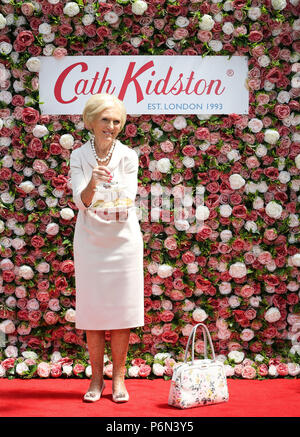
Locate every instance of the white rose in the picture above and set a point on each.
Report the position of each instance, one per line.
(45, 28)
(7, 327)
(263, 61)
(33, 64)
(255, 125)
(162, 356)
(182, 21)
(283, 97)
(238, 270)
(297, 161)
(70, 315)
(27, 186)
(111, 17)
(88, 19)
(66, 141)
(164, 165)
(250, 226)
(2, 371)
(284, 177)
(278, 5)
(202, 212)
(18, 243)
(254, 13)
(234, 302)
(294, 369)
(215, 45)
(52, 229)
(40, 131)
(21, 368)
(67, 370)
(136, 41)
(192, 268)
(67, 213)
(199, 315)
(272, 315)
(26, 272)
(88, 371)
(228, 6)
(296, 260)
(226, 235)
(2, 226)
(236, 356)
(271, 136)
(206, 23)
(11, 352)
(71, 9)
(188, 162)
(139, 7)
(261, 150)
(272, 370)
(158, 369)
(164, 271)
(29, 354)
(273, 210)
(225, 210)
(225, 288)
(180, 122)
(236, 181)
(228, 28)
(133, 371)
(5, 48)
(2, 21)
(181, 225)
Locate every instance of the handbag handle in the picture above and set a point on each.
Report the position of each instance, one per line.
(206, 335)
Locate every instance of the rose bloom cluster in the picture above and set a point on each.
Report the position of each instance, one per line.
(218, 195)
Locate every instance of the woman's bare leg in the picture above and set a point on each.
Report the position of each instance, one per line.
(119, 349)
(96, 344)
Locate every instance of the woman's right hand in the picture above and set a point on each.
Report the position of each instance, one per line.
(101, 174)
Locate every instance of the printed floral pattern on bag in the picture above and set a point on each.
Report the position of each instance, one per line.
(198, 386)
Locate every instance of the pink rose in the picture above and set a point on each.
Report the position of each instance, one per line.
(56, 370)
(282, 369)
(144, 370)
(248, 372)
(43, 370)
(78, 368)
(51, 318)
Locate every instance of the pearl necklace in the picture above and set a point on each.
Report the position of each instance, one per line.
(108, 156)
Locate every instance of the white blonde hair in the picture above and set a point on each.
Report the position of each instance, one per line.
(98, 103)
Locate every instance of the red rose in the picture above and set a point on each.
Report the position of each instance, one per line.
(263, 370)
(166, 316)
(78, 368)
(30, 115)
(170, 337)
(282, 369)
(56, 370)
(50, 318)
(8, 363)
(37, 241)
(25, 38)
(138, 362)
(67, 266)
(188, 257)
(189, 150)
(274, 75)
(8, 275)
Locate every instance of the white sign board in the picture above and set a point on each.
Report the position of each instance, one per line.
(146, 84)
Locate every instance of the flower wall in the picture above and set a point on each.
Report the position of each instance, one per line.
(239, 273)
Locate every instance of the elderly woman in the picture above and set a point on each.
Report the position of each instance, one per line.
(108, 251)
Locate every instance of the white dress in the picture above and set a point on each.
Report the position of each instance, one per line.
(108, 255)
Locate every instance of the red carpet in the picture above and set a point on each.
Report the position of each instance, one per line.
(63, 398)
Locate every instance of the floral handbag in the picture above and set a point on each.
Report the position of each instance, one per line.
(199, 382)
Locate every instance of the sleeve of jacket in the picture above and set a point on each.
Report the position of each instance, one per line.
(77, 179)
(131, 174)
